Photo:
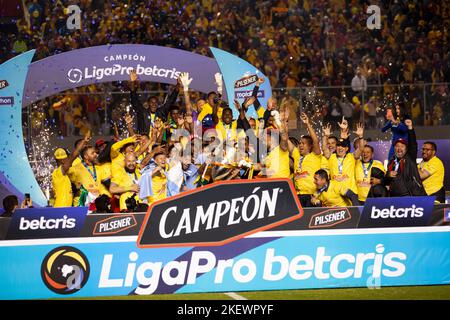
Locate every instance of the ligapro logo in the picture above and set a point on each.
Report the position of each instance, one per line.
(65, 270)
(148, 275)
(220, 213)
(75, 75)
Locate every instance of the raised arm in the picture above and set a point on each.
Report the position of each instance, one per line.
(326, 132)
(186, 81)
(360, 133)
(412, 141)
(68, 163)
(129, 121)
(115, 148)
(312, 133)
(136, 102)
(163, 111)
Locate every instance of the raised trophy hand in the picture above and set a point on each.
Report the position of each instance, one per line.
(260, 81)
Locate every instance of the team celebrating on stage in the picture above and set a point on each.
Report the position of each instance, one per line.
(171, 149)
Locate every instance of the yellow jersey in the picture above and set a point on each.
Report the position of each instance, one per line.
(324, 164)
(104, 174)
(277, 163)
(124, 179)
(88, 176)
(333, 195)
(305, 168)
(62, 189)
(342, 170)
(362, 177)
(435, 181)
(159, 187)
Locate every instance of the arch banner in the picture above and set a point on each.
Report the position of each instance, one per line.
(23, 83)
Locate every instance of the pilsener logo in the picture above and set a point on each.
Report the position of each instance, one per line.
(329, 218)
(396, 212)
(220, 213)
(114, 225)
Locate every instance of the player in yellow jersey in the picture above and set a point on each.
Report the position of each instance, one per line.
(62, 187)
(125, 182)
(89, 174)
(330, 193)
(276, 163)
(363, 171)
(432, 171)
(153, 182)
(342, 163)
(307, 160)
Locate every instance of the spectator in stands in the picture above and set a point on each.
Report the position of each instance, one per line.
(359, 83)
(432, 171)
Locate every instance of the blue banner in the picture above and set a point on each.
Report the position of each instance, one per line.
(239, 79)
(266, 261)
(14, 165)
(396, 212)
(46, 223)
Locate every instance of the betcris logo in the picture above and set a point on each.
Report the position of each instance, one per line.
(396, 212)
(43, 223)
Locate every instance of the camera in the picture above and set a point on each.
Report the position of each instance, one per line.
(131, 203)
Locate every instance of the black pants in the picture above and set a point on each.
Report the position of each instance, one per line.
(305, 200)
(440, 195)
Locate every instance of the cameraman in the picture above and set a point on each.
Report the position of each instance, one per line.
(124, 182)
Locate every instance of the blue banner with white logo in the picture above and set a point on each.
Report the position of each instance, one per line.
(396, 212)
(41, 223)
(266, 261)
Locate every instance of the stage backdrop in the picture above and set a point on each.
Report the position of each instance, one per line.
(22, 83)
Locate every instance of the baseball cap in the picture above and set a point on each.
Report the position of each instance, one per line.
(343, 143)
(401, 140)
(99, 142)
(376, 173)
(60, 154)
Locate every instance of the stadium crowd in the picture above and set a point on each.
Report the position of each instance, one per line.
(172, 149)
(297, 44)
